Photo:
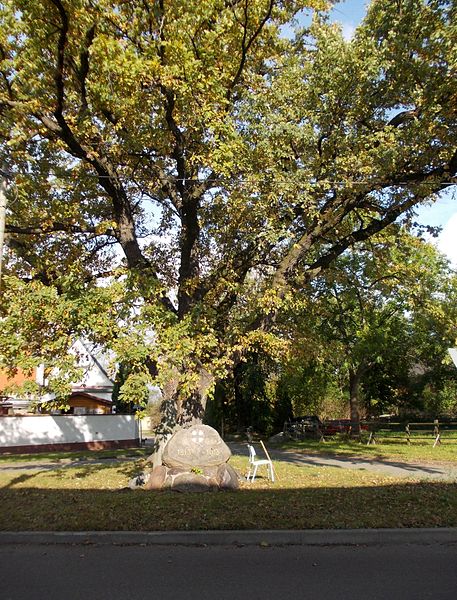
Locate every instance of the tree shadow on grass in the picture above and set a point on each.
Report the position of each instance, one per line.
(424, 504)
(126, 469)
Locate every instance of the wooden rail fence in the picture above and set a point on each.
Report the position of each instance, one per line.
(411, 432)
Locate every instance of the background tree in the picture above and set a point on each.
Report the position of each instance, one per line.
(365, 298)
(435, 330)
(382, 312)
(185, 149)
(369, 336)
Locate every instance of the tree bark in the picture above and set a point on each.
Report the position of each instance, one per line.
(354, 393)
(167, 425)
(191, 409)
(178, 412)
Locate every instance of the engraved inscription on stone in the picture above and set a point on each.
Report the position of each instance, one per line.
(197, 436)
(197, 446)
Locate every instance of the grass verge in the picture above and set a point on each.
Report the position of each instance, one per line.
(416, 452)
(58, 457)
(91, 497)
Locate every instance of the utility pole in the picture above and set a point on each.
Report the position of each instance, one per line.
(2, 217)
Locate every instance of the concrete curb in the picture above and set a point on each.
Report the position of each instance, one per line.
(310, 537)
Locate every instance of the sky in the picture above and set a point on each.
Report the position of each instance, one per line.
(442, 213)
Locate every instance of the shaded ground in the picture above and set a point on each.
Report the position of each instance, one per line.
(50, 465)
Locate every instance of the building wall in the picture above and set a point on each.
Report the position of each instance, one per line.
(54, 432)
(80, 405)
(87, 403)
(17, 379)
(94, 374)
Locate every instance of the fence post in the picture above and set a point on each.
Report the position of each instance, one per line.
(408, 434)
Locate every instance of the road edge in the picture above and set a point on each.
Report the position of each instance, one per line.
(265, 538)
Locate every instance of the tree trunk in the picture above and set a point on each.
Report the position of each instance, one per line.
(242, 416)
(354, 391)
(191, 410)
(167, 425)
(178, 412)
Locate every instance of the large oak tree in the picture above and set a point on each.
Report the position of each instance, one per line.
(193, 158)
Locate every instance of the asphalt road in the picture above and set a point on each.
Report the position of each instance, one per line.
(402, 571)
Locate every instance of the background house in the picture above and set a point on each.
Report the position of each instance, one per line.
(92, 393)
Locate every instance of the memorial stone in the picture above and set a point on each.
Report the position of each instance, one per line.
(190, 482)
(227, 478)
(198, 446)
(156, 478)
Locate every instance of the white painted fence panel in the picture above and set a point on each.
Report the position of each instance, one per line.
(66, 429)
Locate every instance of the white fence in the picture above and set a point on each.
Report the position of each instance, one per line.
(45, 432)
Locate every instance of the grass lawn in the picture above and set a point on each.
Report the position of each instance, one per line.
(58, 457)
(417, 451)
(93, 497)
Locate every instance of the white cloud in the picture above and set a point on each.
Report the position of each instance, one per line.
(447, 241)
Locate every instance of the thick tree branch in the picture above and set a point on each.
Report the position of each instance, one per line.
(60, 67)
(438, 179)
(404, 117)
(246, 42)
(108, 179)
(375, 226)
(189, 203)
(83, 71)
